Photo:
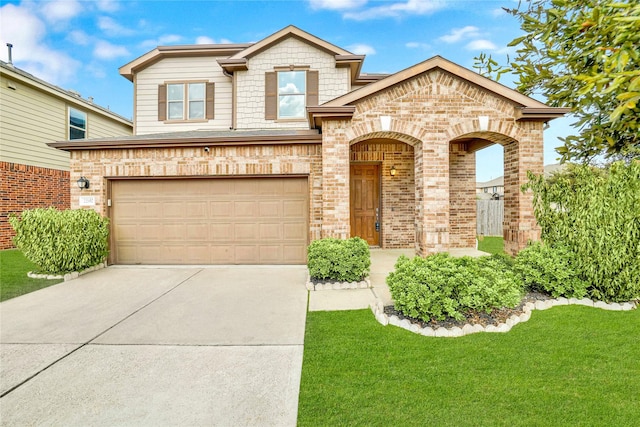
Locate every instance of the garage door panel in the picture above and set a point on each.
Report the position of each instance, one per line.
(210, 221)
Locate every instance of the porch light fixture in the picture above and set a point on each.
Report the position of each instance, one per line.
(385, 122)
(484, 122)
(392, 171)
(83, 183)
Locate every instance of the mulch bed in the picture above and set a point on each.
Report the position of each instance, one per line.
(496, 317)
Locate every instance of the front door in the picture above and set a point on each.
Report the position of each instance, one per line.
(365, 202)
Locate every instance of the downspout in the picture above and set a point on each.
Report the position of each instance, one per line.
(233, 98)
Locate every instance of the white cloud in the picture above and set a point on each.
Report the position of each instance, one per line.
(106, 50)
(361, 49)
(498, 12)
(108, 5)
(79, 37)
(21, 27)
(61, 10)
(481, 45)
(162, 40)
(398, 9)
(417, 45)
(336, 4)
(458, 34)
(112, 28)
(205, 40)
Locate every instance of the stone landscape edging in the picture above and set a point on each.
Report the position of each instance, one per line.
(363, 284)
(468, 329)
(67, 276)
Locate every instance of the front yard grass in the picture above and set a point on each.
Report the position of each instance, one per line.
(491, 244)
(569, 365)
(13, 275)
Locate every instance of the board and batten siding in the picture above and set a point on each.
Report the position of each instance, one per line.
(250, 84)
(30, 118)
(180, 69)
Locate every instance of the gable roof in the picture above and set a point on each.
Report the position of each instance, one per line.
(531, 109)
(68, 96)
(344, 58)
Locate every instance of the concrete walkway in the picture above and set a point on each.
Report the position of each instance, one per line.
(156, 346)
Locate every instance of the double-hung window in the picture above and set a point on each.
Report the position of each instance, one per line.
(77, 124)
(186, 101)
(292, 94)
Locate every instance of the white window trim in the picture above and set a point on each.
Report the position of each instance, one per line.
(69, 125)
(185, 101)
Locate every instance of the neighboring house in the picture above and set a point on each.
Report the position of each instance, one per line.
(244, 153)
(494, 189)
(32, 113)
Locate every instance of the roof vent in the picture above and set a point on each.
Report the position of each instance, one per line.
(9, 47)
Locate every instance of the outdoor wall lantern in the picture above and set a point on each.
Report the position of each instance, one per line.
(83, 183)
(393, 171)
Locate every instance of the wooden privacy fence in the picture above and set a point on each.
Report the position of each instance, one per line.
(490, 216)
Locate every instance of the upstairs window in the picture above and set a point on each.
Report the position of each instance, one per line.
(185, 101)
(292, 90)
(288, 93)
(77, 124)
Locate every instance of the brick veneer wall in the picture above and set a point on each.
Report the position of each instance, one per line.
(98, 165)
(27, 187)
(462, 195)
(397, 192)
(429, 112)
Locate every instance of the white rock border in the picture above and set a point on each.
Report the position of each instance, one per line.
(363, 284)
(68, 276)
(384, 319)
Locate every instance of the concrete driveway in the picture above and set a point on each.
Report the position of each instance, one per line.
(156, 346)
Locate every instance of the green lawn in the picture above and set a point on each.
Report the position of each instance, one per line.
(569, 365)
(13, 275)
(491, 244)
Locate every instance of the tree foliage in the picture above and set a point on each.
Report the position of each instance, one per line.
(585, 55)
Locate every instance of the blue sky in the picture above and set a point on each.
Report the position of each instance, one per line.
(80, 44)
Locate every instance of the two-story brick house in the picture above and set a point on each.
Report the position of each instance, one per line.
(32, 113)
(244, 153)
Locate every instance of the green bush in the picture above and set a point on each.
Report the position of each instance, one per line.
(441, 286)
(595, 214)
(61, 241)
(339, 260)
(550, 270)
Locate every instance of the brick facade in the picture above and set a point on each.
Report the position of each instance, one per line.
(27, 187)
(437, 113)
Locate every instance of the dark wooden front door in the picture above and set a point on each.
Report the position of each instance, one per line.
(365, 203)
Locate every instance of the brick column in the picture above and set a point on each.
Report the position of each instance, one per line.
(519, 224)
(462, 196)
(432, 197)
(335, 180)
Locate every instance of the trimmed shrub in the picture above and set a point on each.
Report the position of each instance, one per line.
(339, 260)
(595, 214)
(441, 286)
(550, 270)
(61, 241)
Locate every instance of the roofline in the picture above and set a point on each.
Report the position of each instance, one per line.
(160, 52)
(240, 140)
(319, 112)
(430, 64)
(67, 96)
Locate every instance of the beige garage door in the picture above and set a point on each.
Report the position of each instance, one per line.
(210, 221)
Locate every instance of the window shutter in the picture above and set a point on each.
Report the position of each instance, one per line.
(210, 105)
(271, 96)
(162, 103)
(312, 88)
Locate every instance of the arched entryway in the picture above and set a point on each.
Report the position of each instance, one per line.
(382, 192)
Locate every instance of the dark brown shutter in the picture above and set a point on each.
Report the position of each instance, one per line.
(312, 88)
(162, 103)
(209, 107)
(271, 96)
